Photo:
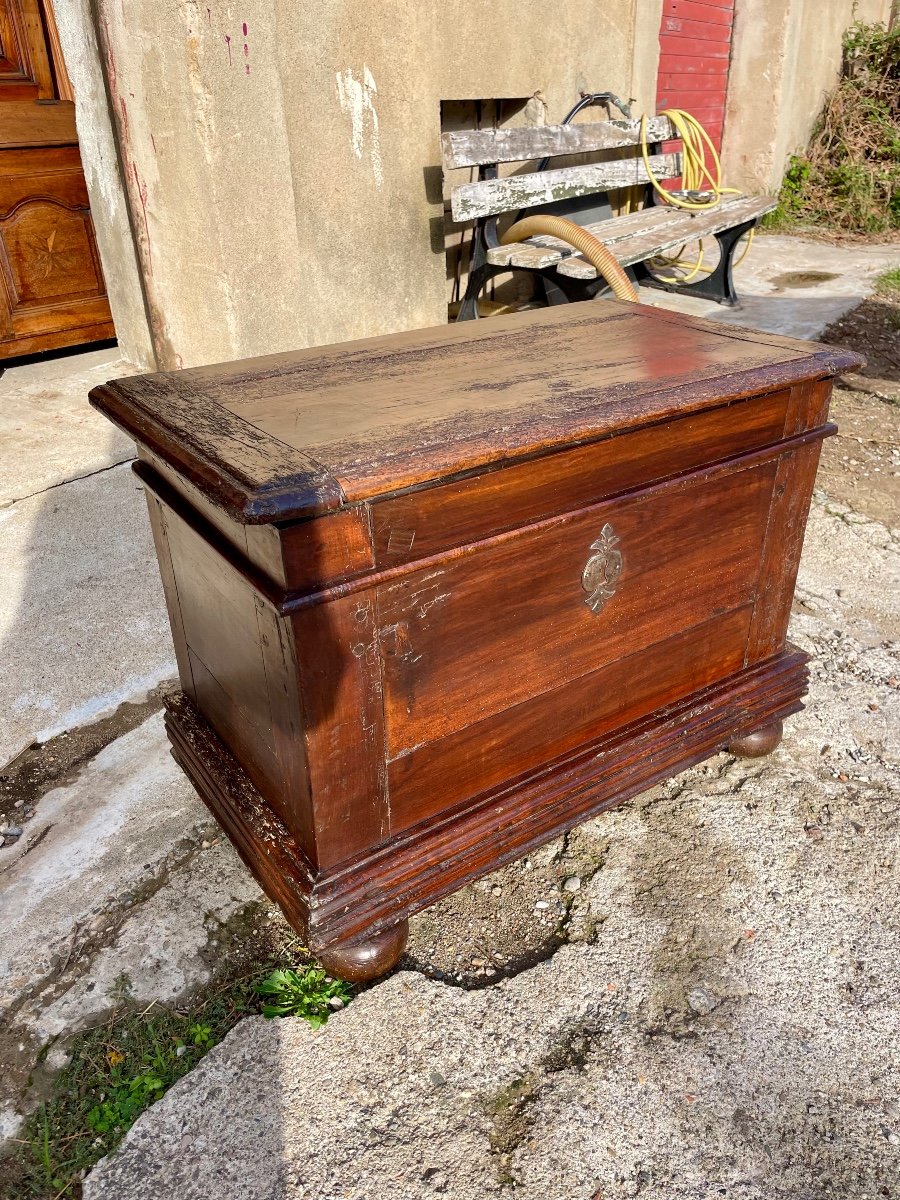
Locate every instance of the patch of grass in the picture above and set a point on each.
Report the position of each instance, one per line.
(888, 284)
(779, 221)
(121, 1068)
(848, 178)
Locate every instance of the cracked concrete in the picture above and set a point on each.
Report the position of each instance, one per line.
(120, 881)
(83, 625)
(48, 434)
(82, 621)
(42, 766)
(708, 968)
(113, 880)
(723, 1018)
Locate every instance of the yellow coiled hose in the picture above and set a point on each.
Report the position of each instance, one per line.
(701, 169)
(591, 247)
(701, 172)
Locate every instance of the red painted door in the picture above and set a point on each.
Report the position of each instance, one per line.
(694, 50)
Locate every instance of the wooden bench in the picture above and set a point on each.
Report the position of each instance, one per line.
(581, 194)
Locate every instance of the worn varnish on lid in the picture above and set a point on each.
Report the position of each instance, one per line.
(294, 435)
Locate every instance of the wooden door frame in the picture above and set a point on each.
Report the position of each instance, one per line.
(83, 72)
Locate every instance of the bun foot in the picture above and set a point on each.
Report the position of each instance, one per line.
(358, 962)
(758, 742)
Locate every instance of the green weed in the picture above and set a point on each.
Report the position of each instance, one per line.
(308, 994)
(888, 284)
(117, 1071)
(848, 178)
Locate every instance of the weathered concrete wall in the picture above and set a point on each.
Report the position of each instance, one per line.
(786, 55)
(281, 159)
(102, 170)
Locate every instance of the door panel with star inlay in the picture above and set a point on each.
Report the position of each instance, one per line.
(52, 292)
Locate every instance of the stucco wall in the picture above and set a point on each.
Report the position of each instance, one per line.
(281, 158)
(785, 57)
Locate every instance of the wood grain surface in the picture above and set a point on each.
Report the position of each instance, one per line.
(386, 884)
(635, 237)
(52, 290)
(425, 521)
(497, 627)
(490, 197)
(436, 777)
(478, 147)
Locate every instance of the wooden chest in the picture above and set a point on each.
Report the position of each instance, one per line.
(440, 596)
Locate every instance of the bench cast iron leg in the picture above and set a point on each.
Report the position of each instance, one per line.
(563, 289)
(759, 742)
(478, 277)
(718, 285)
(480, 270)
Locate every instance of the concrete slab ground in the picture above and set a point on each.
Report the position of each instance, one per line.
(48, 434)
(790, 285)
(82, 619)
(83, 625)
(723, 1018)
(93, 898)
(631, 994)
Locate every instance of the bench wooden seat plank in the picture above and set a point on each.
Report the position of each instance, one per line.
(684, 228)
(608, 231)
(478, 147)
(488, 197)
(633, 238)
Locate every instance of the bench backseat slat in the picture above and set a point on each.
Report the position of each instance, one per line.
(478, 147)
(635, 237)
(489, 197)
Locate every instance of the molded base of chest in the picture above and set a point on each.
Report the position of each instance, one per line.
(376, 892)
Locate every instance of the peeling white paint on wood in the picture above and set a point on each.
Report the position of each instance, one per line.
(490, 196)
(633, 238)
(475, 147)
(577, 267)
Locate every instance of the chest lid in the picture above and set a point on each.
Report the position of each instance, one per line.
(292, 435)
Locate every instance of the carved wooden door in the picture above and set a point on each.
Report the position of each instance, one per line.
(52, 292)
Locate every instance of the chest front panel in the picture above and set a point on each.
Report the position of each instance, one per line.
(512, 618)
(528, 644)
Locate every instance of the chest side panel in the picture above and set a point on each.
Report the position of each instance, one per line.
(237, 662)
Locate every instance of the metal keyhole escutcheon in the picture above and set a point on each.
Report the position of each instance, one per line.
(602, 570)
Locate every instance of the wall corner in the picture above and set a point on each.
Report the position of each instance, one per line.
(103, 176)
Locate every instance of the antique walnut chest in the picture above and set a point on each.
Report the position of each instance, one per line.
(438, 597)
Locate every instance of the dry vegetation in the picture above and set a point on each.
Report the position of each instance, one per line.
(848, 180)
